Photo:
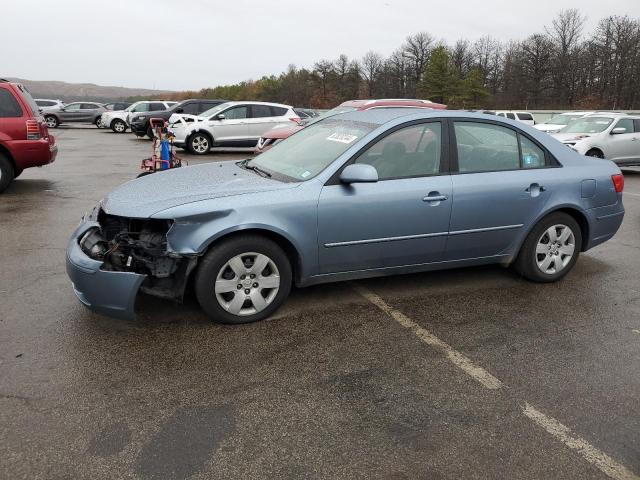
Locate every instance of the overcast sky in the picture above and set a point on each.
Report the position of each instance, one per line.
(200, 43)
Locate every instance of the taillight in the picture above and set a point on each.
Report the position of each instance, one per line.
(33, 130)
(618, 182)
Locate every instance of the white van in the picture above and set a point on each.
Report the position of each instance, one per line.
(524, 117)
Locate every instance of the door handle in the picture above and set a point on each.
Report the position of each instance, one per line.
(535, 189)
(434, 197)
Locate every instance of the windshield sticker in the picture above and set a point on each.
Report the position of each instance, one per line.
(341, 137)
(305, 174)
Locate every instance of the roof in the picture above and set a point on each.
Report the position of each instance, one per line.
(235, 102)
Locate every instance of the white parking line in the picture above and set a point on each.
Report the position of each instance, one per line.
(562, 433)
(455, 357)
(590, 453)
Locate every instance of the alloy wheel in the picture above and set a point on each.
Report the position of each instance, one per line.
(51, 122)
(247, 284)
(200, 144)
(555, 249)
(119, 127)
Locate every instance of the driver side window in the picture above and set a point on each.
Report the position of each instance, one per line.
(409, 152)
(72, 106)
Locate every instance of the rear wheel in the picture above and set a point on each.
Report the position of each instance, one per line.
(242, 280)
(98, 122)
(199, 143)
(551, 249)
(118, 126)
(51, 121)
(594, 152)
(6, 173)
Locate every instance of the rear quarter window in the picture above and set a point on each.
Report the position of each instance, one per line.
(524, 116)
(9, 106)
(278, 111)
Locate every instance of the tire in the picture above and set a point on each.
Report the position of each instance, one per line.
(150, 133)
(51, 121)
(118, 126)
(594, 152)
(6, 173)
(540, 258)
(98, 122)
(17, 172)
(199, 143)
(216, 282)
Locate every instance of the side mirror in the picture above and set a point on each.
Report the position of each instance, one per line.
(220, 116)
(618, 131)
(359, 173)
(179, 110)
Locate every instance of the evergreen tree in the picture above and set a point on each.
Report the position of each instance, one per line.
(440, 81)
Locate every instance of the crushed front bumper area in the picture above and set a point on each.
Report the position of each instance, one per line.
(105, 292)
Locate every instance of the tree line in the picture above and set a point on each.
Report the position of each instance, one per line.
(562, 67)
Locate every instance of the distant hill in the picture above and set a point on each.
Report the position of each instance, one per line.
(83, 91)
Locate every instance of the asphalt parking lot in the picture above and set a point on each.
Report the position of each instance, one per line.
(471, 373)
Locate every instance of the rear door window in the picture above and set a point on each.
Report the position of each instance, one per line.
(236, 113)
(524, 116)
(486, 147)
(511, 116)
(156, 107)
(9, 106)
(532, 155)
(260, 111)
(279, 111)
(89, 106)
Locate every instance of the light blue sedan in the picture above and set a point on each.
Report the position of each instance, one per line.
(363, 194)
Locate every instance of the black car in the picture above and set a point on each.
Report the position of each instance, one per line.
(195, 106)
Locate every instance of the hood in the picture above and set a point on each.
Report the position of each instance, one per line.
(153, 193)
(284, 131)
(570, 137)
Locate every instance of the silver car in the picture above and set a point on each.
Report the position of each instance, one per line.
(76, 112)
(361, 194)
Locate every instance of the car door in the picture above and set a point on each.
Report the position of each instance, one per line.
(501, 182)
(89, 112)
(622, 147)
(262, 118)
(403, 218)
(230, 127)
(71, 113)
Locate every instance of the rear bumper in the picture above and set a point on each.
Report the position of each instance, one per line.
(33, 153)
(604, 223)
(107, 293)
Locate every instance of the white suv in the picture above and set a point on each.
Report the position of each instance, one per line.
(118, 120)
(614, 136)
(524, 117)
(229, 125)
(558, 122)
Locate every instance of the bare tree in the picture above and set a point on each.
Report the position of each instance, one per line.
(372, 63)
(416, 49)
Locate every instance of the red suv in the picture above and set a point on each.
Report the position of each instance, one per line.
(24, 139)
(276, 134)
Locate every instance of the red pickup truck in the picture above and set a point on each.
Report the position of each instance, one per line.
(24, 139)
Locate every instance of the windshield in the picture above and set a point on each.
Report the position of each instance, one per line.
(214, 111)
(564, 118)
(305, 154)
(588, 125)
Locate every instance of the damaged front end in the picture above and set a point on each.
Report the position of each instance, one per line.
(139, 246)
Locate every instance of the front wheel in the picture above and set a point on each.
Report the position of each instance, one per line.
(199, 143)
(6, 173)
(243, 280)
(118, 126)
(51, 121)
(594, 152)
(551, 249)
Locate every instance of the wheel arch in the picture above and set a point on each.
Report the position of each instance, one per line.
(574, 212)
(596, 148)
(280, 238)
(200, 130)
(5, 151)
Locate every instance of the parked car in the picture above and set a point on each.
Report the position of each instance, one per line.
(271, 137)
(24, 139)
(76, 112)
(118, 120)
(115, 106)
(229, 125)
(46, 104)
(362, 194)
(558, 122)
(614, 136)
(140, 121)
(524, 117)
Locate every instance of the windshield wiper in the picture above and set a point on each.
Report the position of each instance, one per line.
(245, 164)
